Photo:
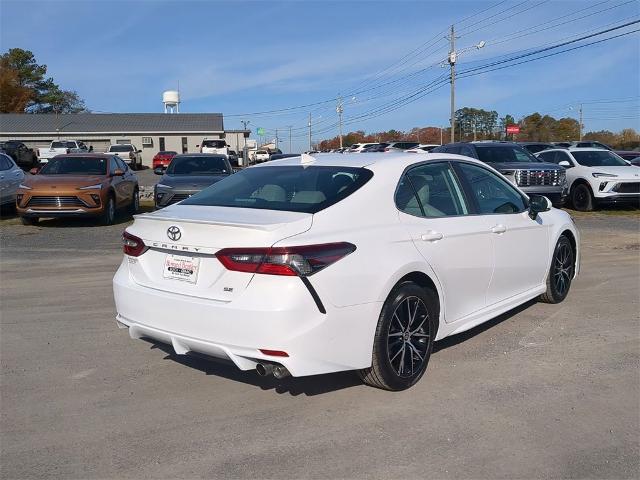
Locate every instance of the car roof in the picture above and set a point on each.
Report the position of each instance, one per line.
(85, 155)
(199, 155)
(400, 160)
(575, 149)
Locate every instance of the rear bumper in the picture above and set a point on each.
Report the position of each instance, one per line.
(274, 313)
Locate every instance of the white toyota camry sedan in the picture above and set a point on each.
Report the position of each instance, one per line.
(307, 265)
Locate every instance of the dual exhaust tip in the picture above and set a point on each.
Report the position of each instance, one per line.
(267, 369)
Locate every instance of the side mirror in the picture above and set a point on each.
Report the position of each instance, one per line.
(158, 171)
(197, 146)
(538, 204)
(138, 151)
(117, 173)
(565, 164)
(34, 171)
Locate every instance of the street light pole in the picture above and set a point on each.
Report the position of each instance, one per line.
(290, 127)
(245, 153)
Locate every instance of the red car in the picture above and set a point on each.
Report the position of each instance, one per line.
(163, 159)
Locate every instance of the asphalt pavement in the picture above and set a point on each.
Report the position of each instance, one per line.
(543, 391)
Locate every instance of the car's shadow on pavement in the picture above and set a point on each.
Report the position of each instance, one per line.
(464, 336)
(311, 385)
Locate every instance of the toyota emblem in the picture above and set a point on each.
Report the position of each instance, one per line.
(174, 233)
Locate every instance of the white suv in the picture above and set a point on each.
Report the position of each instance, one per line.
(596, 176)
(214, 145)
(358, 147)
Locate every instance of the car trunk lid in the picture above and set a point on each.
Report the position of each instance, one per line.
(183, 240)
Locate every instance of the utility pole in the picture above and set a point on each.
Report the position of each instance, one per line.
(581, 126)
(276, 139)
(474, 130)
(440, 135)
(290, 127)
(452, 58)
(340, 109)
(309, 125)
(452, 63)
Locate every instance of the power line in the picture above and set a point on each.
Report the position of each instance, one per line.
(478, 71)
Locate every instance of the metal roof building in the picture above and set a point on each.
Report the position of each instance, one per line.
(149, 132)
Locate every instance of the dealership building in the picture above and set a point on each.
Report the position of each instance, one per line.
(149, 132)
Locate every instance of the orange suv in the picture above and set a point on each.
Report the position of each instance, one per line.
(80, 184)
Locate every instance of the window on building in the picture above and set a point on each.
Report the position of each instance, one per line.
(185, 147)
(162, 146)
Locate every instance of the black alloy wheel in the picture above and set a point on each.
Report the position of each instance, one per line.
(582, 198)
(404, 338)
(561, 272)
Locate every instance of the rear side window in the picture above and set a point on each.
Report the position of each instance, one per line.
(214, 143)
(121, 148)
(431, 190)
(504, 154)
(293, 188)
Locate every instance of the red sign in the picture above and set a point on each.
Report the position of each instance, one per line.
(513, 129)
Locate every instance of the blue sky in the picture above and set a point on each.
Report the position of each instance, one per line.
(239, 56)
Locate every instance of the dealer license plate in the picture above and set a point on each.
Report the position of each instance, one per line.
(179, 267)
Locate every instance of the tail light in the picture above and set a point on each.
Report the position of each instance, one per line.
(301, 261)
(132, 245)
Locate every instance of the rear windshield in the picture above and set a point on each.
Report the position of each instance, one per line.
(307, 189)
(214, 143)
(504, 154)
(198, 166)
(63, 145)
(167, 152)
(603, 158)
(121, 148)
(75, 166)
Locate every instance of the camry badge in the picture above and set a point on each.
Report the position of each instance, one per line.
(174, 233)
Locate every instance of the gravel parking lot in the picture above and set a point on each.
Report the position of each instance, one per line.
(543, 391)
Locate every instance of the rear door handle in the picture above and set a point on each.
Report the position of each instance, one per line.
(431, 236)
(499, 229)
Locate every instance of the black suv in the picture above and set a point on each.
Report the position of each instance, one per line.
(24, 157)
(521, 168)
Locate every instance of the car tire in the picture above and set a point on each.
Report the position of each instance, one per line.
(582, 198)
(109, 215)
(403, 340)
(135, 203)
(30, 220)
(561, 272)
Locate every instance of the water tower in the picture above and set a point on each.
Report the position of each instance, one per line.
(171, 101)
